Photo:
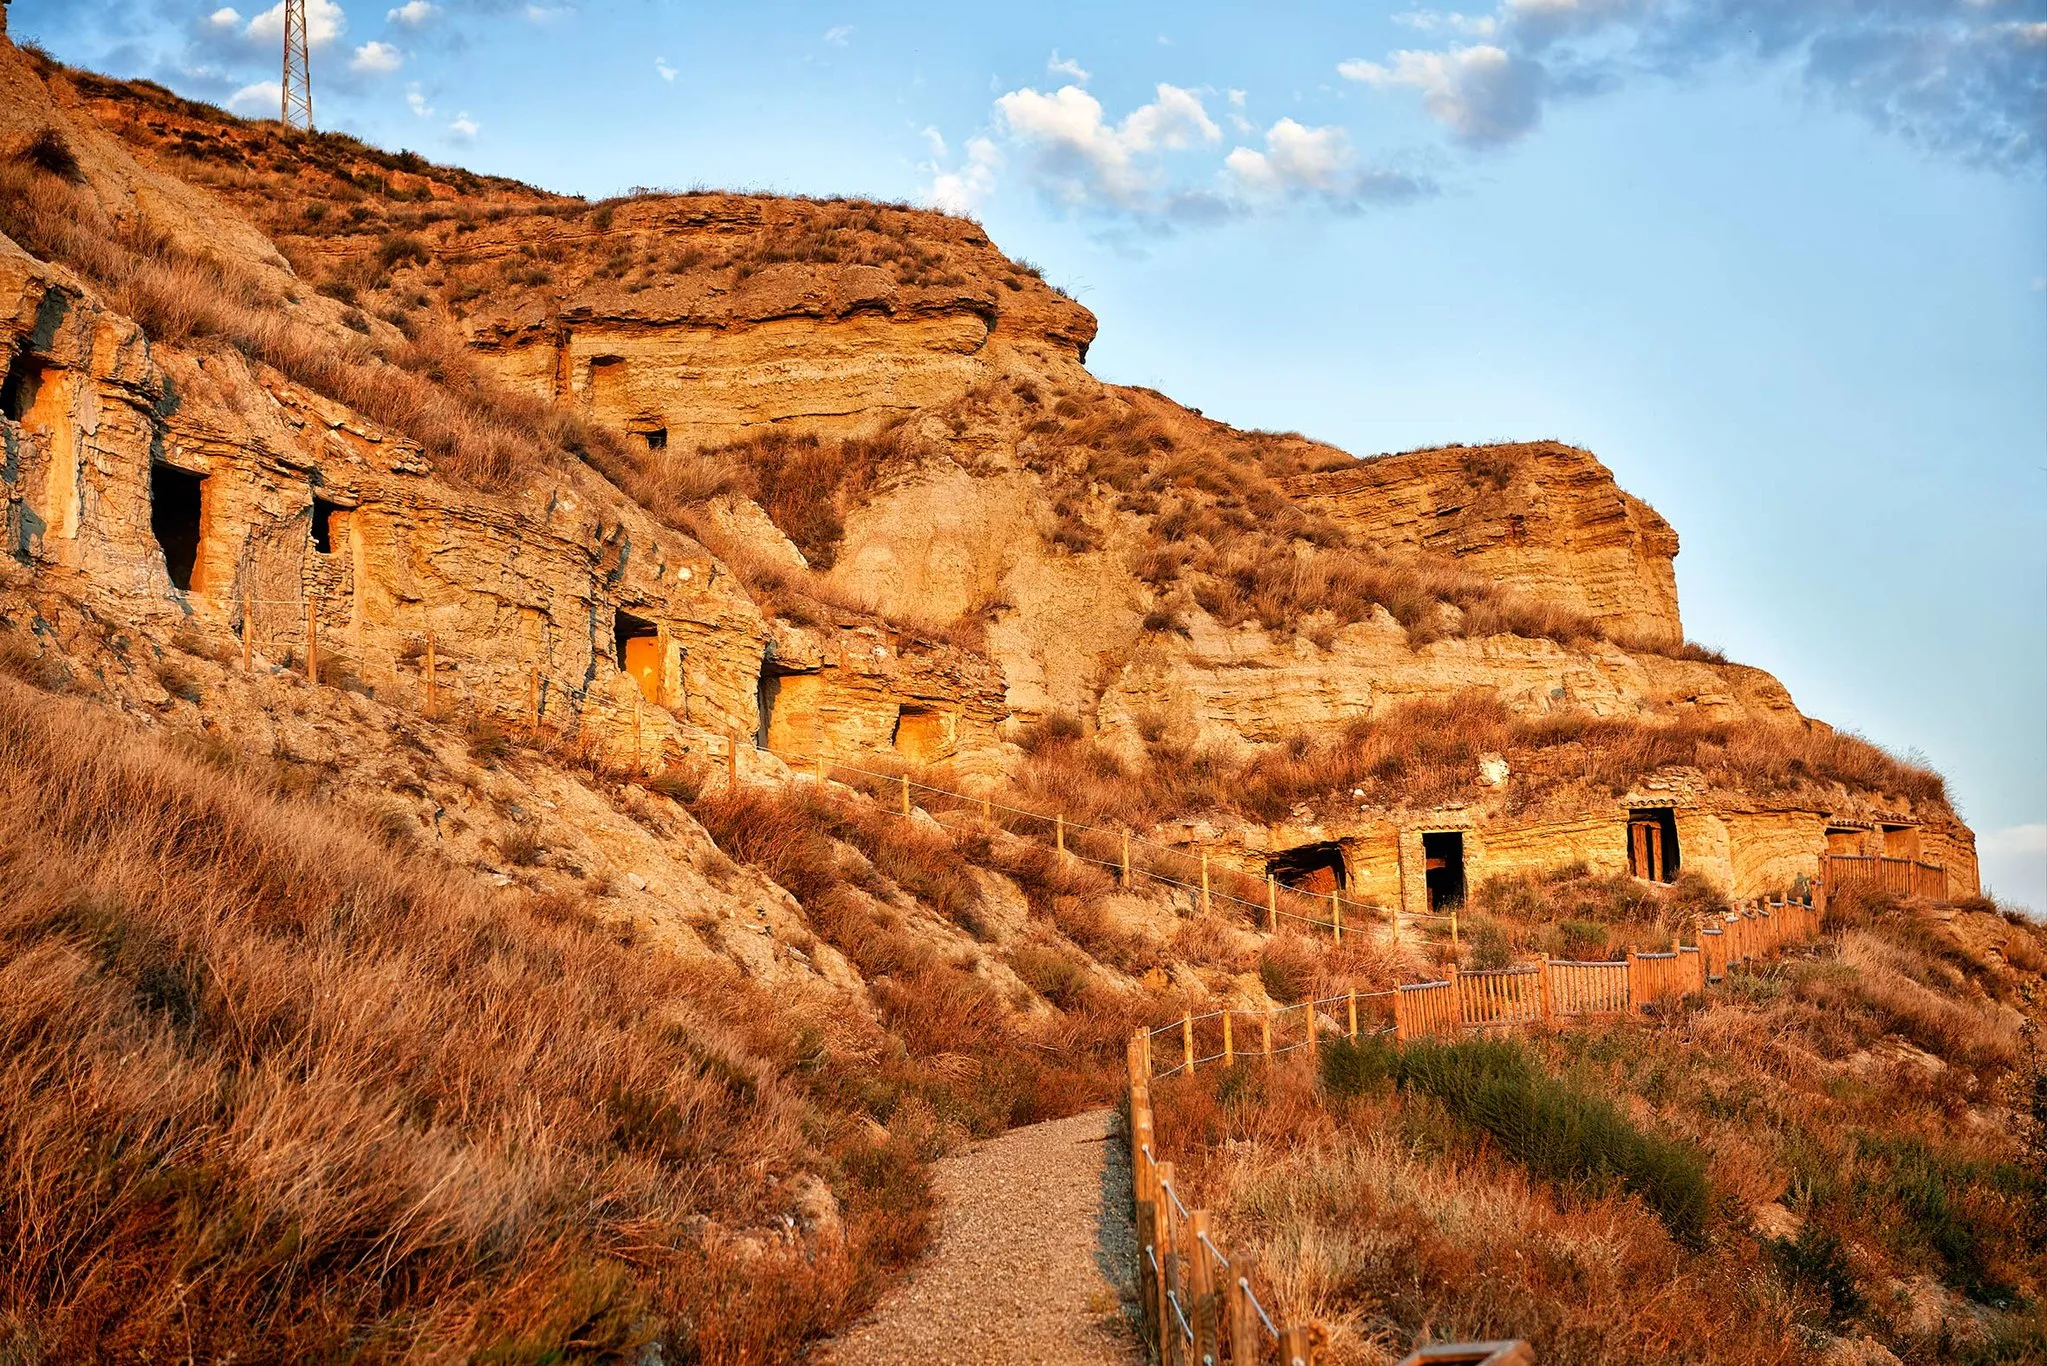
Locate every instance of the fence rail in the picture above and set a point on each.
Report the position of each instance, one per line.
(1903, 876)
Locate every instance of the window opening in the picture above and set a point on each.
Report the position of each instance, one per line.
(919, 732)
(323, 525)
(1443, 869)
(1652, 844)
(175, 502)
(18, 390)
(1316, 868)
(637, 648)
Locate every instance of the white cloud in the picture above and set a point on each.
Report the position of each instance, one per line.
(838, 34)
(1482, 93)
(376, 59)
(415, 99)
(547, 14)
(226, 17)
(963, 188)
(264, 97)
(1437, 21)
(1299, 161)
(325, 22)
(412, 13)
(667, 72)
(1066, 66)
(463, 127)
(1083, 158)
(935, 140)
(2014, 839)
(1295, 158)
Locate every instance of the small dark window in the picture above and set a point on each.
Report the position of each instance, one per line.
(657, 438)
(1314, 868)
(175, 502)
(1443, 869)
(323, 526)
(1652, 844)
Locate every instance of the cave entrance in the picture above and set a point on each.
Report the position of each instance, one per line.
(656, 438)
(636, 646)
(1316, 868)
(329, 521)
(176, 511)
(1443, 869)
(920, 733)
(18, 389)
(1901, 841)
(1652, 844)
(1845, 840)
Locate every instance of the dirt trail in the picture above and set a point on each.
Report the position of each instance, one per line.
(1034, 1254)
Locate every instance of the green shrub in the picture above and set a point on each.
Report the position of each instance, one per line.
(1817, 1260)
(1556, 1130)
(1356, 1067)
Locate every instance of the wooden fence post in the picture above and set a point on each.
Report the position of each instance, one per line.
(1635, 1001)
(1271, 904)
(1187, 1039)
(312, 639)
(1295, 1348)
(1229, 1041)
(1456, 1002)
(1243, 1318)
(1059, 833)
(1308, 1010)
(1164, 1245)
(1126, 859)
(1549, 1017)
(1336, 914)
(904, 779)
(1399, 1015)
(1354, 1013)
(1201, 1293)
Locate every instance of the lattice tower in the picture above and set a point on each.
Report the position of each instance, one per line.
(298, 68)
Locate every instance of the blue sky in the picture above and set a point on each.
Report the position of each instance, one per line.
(1781, 264)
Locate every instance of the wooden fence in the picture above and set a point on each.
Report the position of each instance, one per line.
(1200, 1304)
(1903, 876)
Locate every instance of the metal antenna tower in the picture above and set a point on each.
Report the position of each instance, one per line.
(298, 68)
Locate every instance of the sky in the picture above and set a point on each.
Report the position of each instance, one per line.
(1782, 264)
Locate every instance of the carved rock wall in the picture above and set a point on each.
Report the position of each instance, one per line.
(1543, 518)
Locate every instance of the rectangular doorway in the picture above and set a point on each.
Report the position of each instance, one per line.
(1652, 844)
(638, 645)
(1443, 868)
(176, 512)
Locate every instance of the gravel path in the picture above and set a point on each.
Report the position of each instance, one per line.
(1034, 1258)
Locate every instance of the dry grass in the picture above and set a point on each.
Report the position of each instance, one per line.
(967, 1056)
(276, 1093)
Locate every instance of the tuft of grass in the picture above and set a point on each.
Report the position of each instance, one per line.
(1558, 1131)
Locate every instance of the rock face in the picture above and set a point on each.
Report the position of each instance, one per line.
(1541, 518)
